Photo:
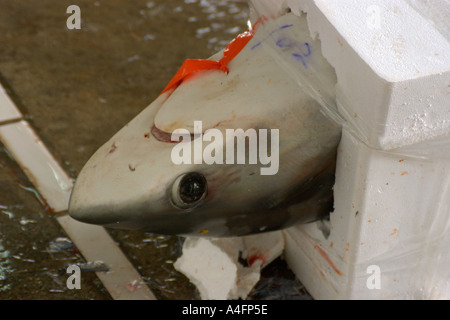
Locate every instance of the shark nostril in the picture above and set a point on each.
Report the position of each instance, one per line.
(189, 189)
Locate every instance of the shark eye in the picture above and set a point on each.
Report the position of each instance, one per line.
(189, 189)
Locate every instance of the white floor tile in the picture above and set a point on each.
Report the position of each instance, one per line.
(8, 110)
(44, 172)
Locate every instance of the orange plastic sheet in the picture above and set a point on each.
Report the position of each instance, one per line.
(191, 66)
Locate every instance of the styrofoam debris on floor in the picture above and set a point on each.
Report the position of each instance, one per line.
(213, 266)
(263, 247)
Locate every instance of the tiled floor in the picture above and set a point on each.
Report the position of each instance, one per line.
(31, 260)
(54, 187)
(74, 90)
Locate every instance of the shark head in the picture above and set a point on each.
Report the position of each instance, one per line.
(164, 173)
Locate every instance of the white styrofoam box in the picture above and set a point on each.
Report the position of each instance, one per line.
(392, 61)
(391, 211)
(392, 195)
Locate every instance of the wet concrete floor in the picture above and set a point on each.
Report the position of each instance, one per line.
(77, 88)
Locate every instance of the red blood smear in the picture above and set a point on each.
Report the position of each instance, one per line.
(327, 259)
(258, 256)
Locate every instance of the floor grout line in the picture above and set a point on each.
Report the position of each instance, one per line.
(10, 121)
(54, 185)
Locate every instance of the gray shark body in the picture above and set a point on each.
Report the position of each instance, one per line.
(132, 181)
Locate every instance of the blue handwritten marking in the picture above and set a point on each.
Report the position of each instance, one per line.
(286, 26)
(280, 28)
(301, 57)
(285, 43)
(304, 50)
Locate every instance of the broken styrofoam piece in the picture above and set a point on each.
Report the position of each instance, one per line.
(212, 269)
(212, 264)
